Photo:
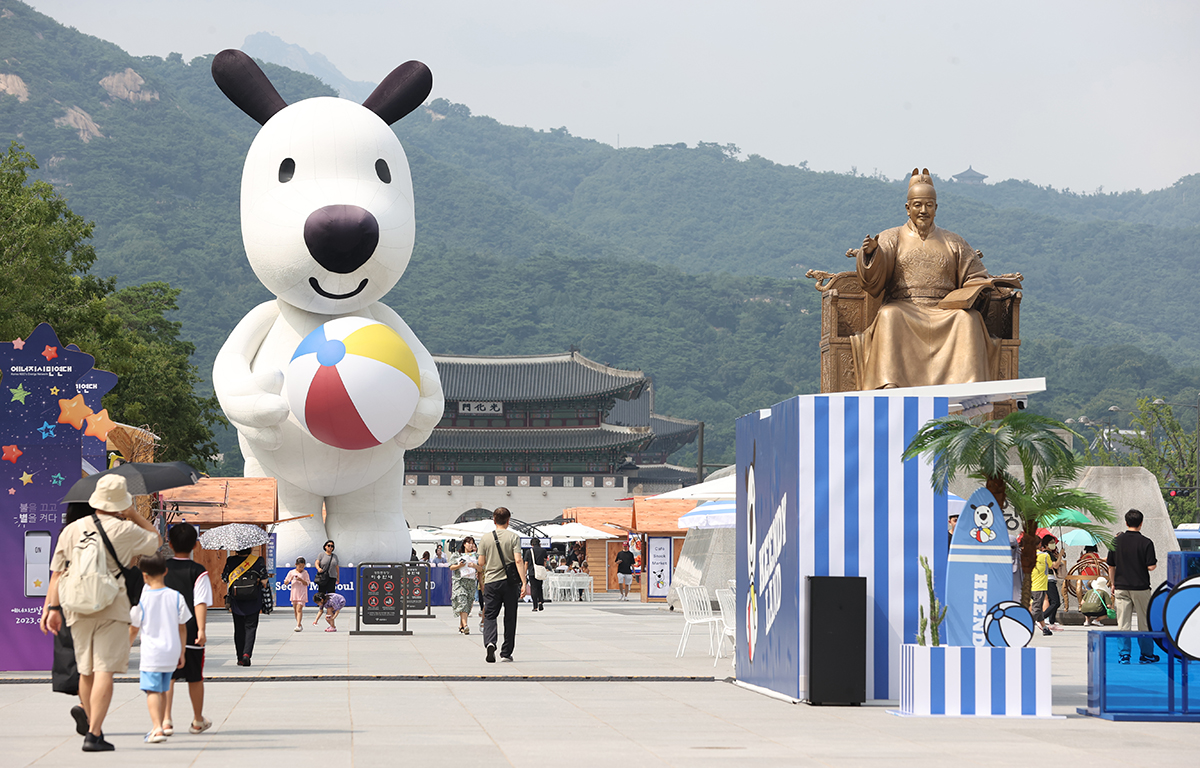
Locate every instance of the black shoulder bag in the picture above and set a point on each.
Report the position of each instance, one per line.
(510, 569)
(132, 576)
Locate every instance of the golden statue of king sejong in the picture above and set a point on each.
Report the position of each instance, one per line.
(927, 279)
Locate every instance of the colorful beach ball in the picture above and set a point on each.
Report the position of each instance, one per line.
(1008, 625)
(1181, 617)
(353, 383)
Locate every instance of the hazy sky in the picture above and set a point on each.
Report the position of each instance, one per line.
(1072, 94)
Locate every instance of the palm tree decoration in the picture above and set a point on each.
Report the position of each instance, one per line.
(1038, 493)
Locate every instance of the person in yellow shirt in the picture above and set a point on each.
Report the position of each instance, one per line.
(1047, 561)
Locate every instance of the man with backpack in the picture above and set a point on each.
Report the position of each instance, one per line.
(87, 579)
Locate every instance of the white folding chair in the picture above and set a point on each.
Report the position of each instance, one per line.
(728, 604)
(559, 592)
(697, 609)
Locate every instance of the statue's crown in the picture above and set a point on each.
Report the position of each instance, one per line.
(920, 184)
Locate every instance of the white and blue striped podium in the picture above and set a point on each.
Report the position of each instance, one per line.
(957, 681)
(822, 491)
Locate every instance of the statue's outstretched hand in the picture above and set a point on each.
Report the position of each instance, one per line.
(869, 245)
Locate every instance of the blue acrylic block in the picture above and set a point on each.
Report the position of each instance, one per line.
(1163, 690)
(1181, 566)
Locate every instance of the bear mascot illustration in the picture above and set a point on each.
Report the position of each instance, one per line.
(327, 223)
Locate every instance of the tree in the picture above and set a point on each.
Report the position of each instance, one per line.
(1037, 494)
(46, 260)
(1157, 441)
(46, 256)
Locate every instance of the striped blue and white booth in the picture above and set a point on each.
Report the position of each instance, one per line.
(833, 498)
(979, 682)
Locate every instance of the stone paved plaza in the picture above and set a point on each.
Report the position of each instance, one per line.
(593, 685)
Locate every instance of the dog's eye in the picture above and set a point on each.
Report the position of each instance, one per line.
(287, 169)
(382, 171)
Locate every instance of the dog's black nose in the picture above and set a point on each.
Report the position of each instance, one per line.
(341, 237)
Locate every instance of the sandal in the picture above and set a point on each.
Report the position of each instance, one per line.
(331, 629)
(200, 726)
(466, 630)
(168, 728)
(155, 736)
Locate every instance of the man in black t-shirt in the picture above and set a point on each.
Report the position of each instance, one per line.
(624, 563)
(1129, 564)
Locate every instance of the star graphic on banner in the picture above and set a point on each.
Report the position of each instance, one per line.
(47, 430)
(19, 394)
(26, 479)
(54, 390)
(73, 411)
(18, 343)
(99, 425)
(37, 582)
(12, 453)
(50, 353)
(56, 479)
(12, 491)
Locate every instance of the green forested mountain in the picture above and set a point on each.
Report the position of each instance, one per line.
(686, 262)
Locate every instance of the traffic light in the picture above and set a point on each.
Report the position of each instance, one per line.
(1177, 493)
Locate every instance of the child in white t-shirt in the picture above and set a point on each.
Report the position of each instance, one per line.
(161, 616)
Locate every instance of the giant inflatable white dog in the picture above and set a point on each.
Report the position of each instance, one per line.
(327, 222)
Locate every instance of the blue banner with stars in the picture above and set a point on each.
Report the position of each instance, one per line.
(44, 419)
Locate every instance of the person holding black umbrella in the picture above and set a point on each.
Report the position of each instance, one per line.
(246, 575)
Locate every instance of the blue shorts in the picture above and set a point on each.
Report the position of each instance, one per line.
(155, 682)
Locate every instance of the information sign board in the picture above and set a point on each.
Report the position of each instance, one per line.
(381, 587)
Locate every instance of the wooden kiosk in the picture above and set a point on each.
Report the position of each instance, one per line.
(218, 501)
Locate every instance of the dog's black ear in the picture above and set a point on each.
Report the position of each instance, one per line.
(402, 91)
(247, 86)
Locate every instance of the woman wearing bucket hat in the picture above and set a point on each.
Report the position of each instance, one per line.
(101, 638)
(1096, 603)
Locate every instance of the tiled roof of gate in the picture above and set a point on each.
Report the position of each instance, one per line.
(538, 378)
(536, 441)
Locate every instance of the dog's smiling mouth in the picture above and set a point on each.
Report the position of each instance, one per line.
(317, 287)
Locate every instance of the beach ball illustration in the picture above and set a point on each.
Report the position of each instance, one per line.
(1158, 602)
(1181, 617)
(751, 556)
(353, 383)
(1008, 625)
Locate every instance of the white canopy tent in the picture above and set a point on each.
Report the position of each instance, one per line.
(473, 528)
(555, 531)
(574, 532)
(721, 489)
(426, 536)
(713, 514)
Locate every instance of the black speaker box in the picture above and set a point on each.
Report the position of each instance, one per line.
(837, 640)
